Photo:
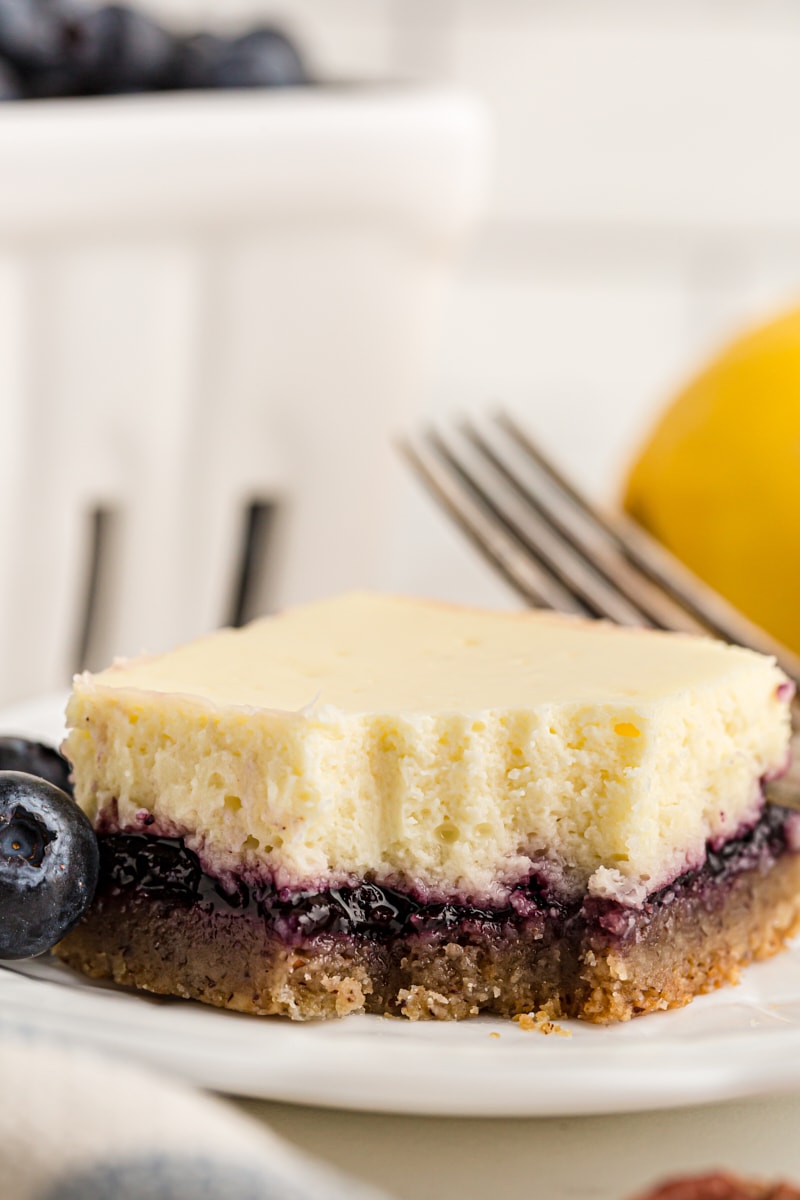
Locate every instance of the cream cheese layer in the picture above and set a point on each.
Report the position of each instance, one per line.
(445, 749)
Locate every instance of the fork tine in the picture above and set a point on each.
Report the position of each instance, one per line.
(482, 528)
(657, 563)
(551, 551)
(586, 541)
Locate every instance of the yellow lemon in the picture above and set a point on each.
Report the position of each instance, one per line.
(718, 481)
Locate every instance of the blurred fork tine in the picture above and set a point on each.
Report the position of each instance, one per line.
(480, 526)
(581, 535)
(528, 527)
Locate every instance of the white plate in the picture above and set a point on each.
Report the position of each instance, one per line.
(738, 1042)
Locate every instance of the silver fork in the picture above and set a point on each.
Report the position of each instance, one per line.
(559, 551)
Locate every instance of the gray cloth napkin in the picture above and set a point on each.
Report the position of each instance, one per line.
(77, 1126)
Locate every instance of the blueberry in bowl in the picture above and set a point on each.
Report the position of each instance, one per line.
(262, 57)
(10, 82)
(49, 864)
(117, 49)
(65, 48)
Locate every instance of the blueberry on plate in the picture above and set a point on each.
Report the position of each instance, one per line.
(35, 758)
(49, 863)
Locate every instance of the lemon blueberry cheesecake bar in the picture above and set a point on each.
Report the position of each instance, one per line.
(386, 805)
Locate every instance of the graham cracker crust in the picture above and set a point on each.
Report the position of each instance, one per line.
(679, 946)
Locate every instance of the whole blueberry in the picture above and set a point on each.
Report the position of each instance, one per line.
(33, 32)
(36, 38)
(48, 864)
(35, 758)
(198, 59)
(264, 57)
(10, 82)
(118, 49)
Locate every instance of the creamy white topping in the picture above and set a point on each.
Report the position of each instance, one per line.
(435, 747)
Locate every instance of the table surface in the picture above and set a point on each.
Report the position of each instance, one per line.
(575, 1158)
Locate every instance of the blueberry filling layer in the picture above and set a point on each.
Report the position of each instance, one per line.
(165, 868)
